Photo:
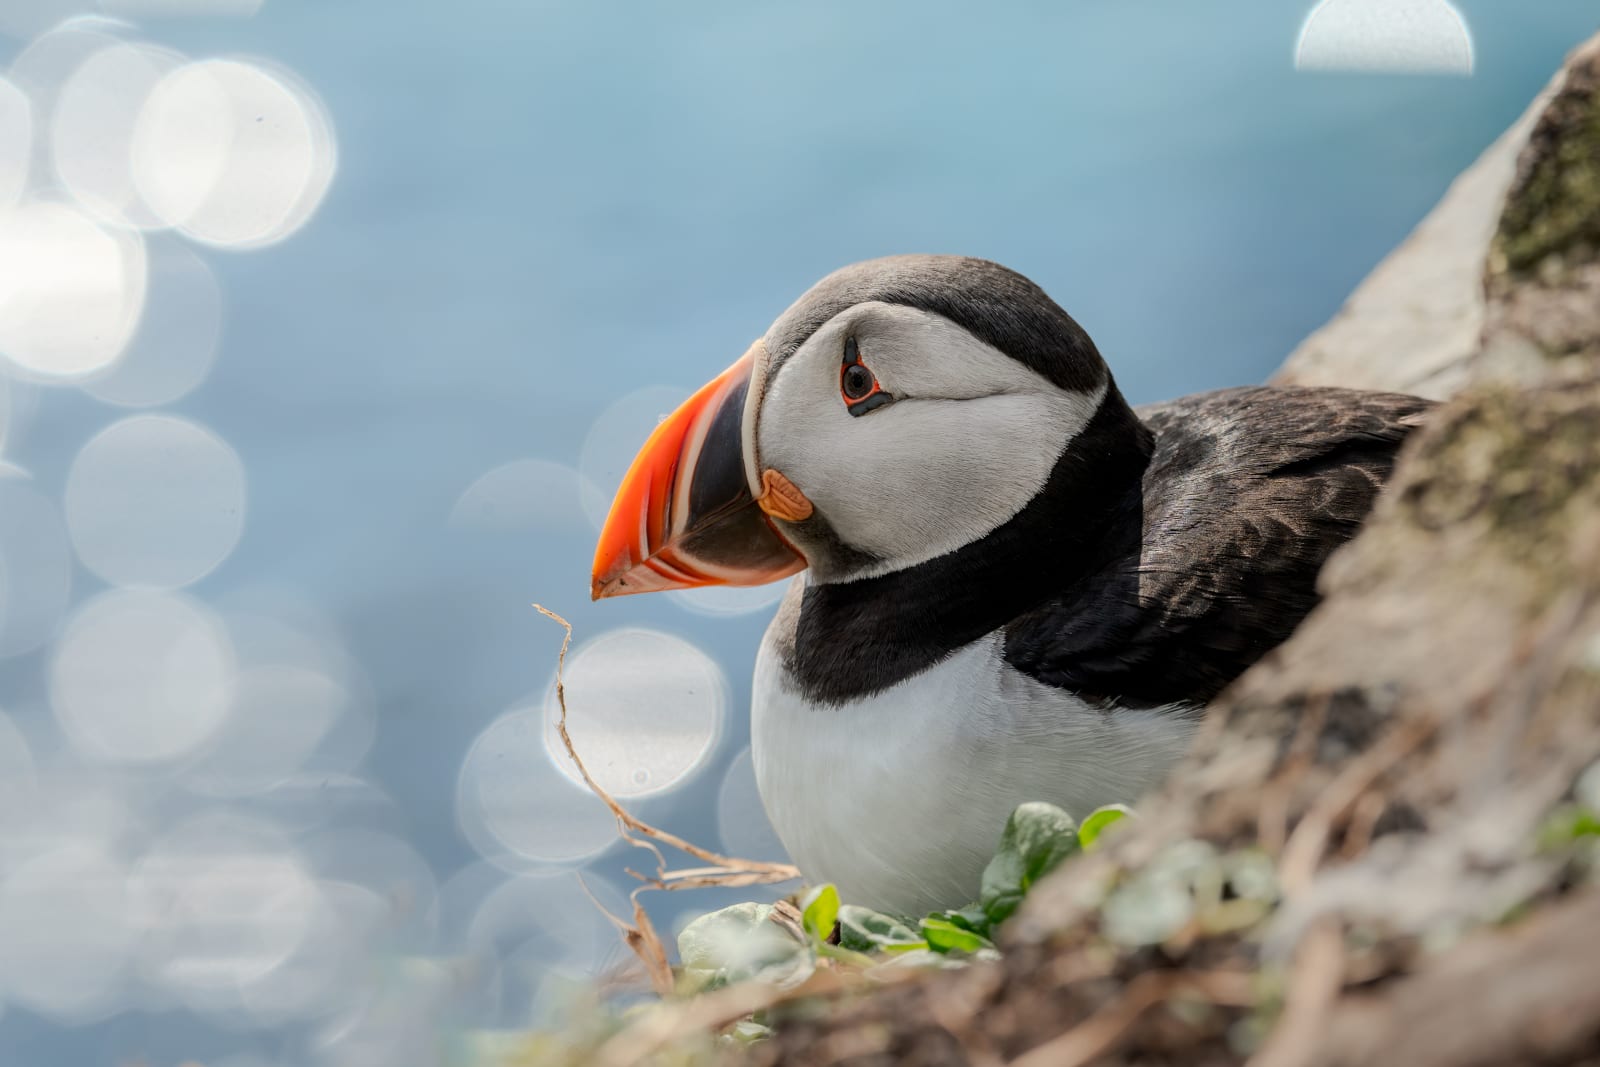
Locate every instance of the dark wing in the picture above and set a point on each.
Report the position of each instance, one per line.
(1247, 494)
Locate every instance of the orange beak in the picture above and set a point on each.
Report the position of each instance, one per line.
(685, 515)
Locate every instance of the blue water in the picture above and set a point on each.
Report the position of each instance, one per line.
(543, 206)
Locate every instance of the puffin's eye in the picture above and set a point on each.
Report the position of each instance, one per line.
(858, 385)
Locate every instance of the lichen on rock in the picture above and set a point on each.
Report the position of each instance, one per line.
(1554, 205)
(1543, 273)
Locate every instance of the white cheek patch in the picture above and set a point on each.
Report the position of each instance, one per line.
(972, 439)
(944, 474)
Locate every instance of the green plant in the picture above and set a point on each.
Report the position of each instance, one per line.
(744, 941)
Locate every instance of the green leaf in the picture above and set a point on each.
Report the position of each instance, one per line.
(1099, 820)
(1567, 824)
(1147, 909)
(739, 943)
(945, 936)
(840, 954)
(972, 917)
(864, 930)
(820, 912)
(1036, 839)
(918, 958)
(747, 1032)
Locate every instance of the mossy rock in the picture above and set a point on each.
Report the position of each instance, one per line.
(1554, 207)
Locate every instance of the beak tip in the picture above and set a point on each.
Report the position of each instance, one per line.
(716, 534)
(603, 587)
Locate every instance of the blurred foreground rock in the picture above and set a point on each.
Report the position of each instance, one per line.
(1397, 762)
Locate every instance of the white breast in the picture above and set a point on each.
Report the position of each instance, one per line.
(899, 799)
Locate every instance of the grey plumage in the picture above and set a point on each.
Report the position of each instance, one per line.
(995, 304)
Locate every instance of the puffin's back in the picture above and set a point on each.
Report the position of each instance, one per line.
(1247, 494)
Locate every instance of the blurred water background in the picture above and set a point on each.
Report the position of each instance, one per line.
(329, 328)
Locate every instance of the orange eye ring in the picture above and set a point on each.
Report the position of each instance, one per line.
(859, 388)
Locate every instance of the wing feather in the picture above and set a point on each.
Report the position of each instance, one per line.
(1247, 494)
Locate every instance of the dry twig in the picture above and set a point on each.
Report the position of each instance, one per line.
(1304, 850)
(719, 870)
(713, 1011)
(1314, 986)
(1098, 1034)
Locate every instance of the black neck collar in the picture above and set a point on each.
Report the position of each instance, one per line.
(860, 637)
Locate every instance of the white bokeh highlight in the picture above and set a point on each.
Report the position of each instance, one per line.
(221, 901)
(71, 291)
(313, 799)
(1393, 36)
(142, 677)
(279, 715)
(276, 627)
(186, 829)
(65, 809)
(390, 868)
(523, 496)
(158, 9)
(68, 934)
(91, 134)
(35, 567)
(726, 601)
(185, 824)
(232, 154)
(542, 933)
(742, 818)
(172, 350)
(645, 710)
(323, 974)
(18, 795)
(517, 810)
(16, 765)
(396, 1023)
(155, 500)
(49, 58)
(16, 142)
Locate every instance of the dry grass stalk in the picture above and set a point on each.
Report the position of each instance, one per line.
(717, 870)
(1103, 1031)
(1314, 987)
(713, 1011)
(1303, 852)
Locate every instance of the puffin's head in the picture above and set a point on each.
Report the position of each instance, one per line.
(900, 409)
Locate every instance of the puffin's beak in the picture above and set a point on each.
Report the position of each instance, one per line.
(685, 515)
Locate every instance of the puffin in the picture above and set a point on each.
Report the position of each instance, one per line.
(1007, 584)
